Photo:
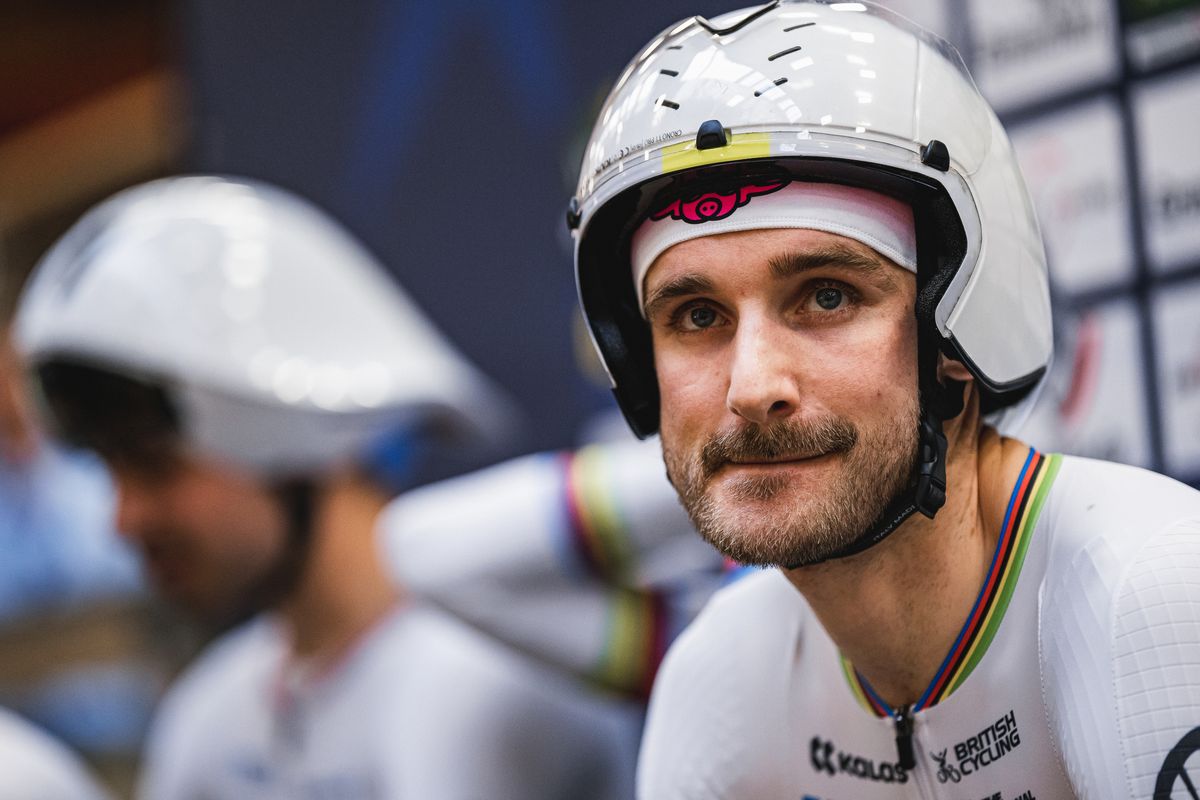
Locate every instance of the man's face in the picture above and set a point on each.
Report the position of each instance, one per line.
(211, 538)
(786, 365)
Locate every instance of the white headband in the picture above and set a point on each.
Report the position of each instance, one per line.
(880, 222)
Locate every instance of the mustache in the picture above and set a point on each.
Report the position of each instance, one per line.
(784, 440)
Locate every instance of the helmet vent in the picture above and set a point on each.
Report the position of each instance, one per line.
(668, 72)
(741, 23)
(671, 104)
(798, 27)
(783, 53)
(776, 82)
(675, 47)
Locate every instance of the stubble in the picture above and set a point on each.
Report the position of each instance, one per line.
(755, 519)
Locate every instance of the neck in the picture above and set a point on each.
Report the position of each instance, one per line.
(345, 589)
(895, 609)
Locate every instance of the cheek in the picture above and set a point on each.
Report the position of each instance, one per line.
(691, 394)
(232, 521)
(258, 522)
(873, 363)
(898, 345)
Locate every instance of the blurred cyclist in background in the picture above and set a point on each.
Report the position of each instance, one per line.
(239, 362)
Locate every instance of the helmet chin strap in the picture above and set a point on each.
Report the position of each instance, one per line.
(297, 497)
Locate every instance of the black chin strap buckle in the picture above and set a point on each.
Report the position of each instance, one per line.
(930, 493)
(944, 401)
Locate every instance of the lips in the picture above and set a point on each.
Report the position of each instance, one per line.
(788, 443)
(773, 461)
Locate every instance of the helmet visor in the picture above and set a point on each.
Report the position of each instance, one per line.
(126, 421)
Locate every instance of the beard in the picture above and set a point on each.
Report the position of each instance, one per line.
(213, 605)
(762, 519)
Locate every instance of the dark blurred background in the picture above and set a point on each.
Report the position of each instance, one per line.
(447, 134)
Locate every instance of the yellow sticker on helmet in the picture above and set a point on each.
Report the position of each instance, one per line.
(741, 146)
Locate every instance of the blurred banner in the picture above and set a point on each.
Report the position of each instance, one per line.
(1160, 31)
(1027, 50)
(1109, 139)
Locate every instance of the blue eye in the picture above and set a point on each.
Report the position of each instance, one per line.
(829, 298)
(702, 317)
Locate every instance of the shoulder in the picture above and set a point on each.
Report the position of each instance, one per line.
(1113, 534)
(226, 666)
(213, 692)
(35, 765)
(1102, 504)
(1120, 622)
(720, 686)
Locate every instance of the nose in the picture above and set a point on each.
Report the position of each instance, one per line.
(763, 386)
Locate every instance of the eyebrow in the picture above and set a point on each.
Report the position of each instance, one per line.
(680, 286)
(832, 255)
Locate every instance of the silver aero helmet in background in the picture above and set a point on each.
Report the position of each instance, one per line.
(835, 92)
(277, 342)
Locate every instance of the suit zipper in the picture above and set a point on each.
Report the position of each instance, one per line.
(906, 751)
(904, 737)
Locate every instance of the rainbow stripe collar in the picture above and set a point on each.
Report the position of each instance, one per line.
(1020, 518)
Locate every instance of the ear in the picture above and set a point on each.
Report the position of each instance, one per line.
(954, 370)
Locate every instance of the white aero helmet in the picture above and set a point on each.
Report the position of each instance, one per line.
(261, 331)
(836, 92)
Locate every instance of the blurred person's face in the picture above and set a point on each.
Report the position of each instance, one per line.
(212, 539)
(786, 364)
(215, 539)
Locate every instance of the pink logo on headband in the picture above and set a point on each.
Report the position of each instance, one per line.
(716, 205)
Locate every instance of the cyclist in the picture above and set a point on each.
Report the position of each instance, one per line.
(808, 260)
